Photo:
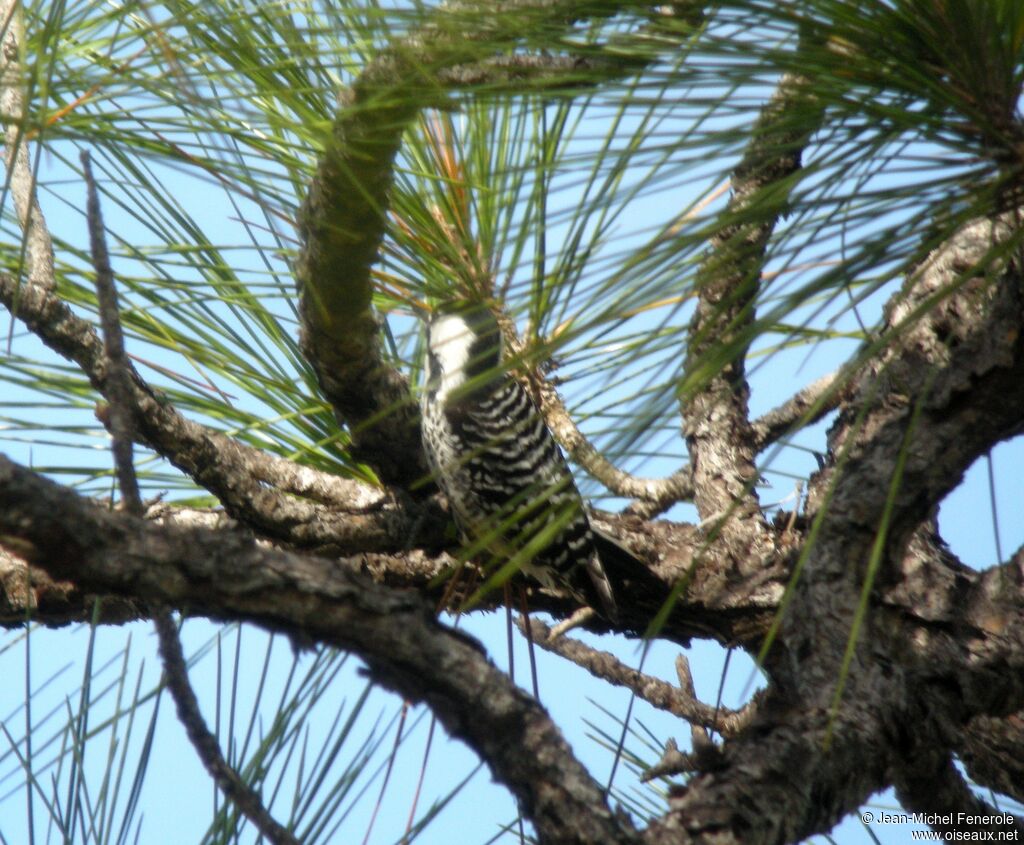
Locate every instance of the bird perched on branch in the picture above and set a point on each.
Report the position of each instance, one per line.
(495, 459)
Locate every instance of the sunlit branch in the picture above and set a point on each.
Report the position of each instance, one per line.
(675, 700)
(523, 73)
(37, 244)
(344, 215)
(703, 756)
(720, 440)
(805, 407)
(674, 488)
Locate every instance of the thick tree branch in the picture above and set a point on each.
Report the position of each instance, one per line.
(235, 565)
(996, 642)
(960, 370)
(720, 440)
(950, 353)
(29, 593)
(343, 218)
(993, 753)
(521, 73)
(717, 604)
(230, 577)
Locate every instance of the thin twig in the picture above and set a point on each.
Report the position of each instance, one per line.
(243, 796)
(705, 753)
(653, 496)
(236, 473)
(672, 762)
(686, 680)
(653, 690)
(805, 407)
(119, 381)
(531, 651)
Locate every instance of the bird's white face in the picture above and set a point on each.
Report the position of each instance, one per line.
(450, 341)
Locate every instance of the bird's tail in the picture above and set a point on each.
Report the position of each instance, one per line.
(613, 557)
(603, 588)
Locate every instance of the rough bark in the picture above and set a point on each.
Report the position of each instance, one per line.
(395, 632)
(888, 656)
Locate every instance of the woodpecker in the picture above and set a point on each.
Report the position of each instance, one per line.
(493, 456)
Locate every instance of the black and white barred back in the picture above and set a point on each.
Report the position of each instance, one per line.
(493, 456)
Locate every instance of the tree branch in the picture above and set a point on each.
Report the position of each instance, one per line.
(119, 374)
(993, 753)
(27, 592)
(407, 650)
(719, 437)
(38, 246)
(952, 333)
(675, 488)
(930, 783)
(805, 407)
(175, 671)
(894, 462)
(675, 700)
(237, 474)
(717, 604)
(344, 216)
(237, 791)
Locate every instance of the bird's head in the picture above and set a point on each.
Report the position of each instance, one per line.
(463, 349)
